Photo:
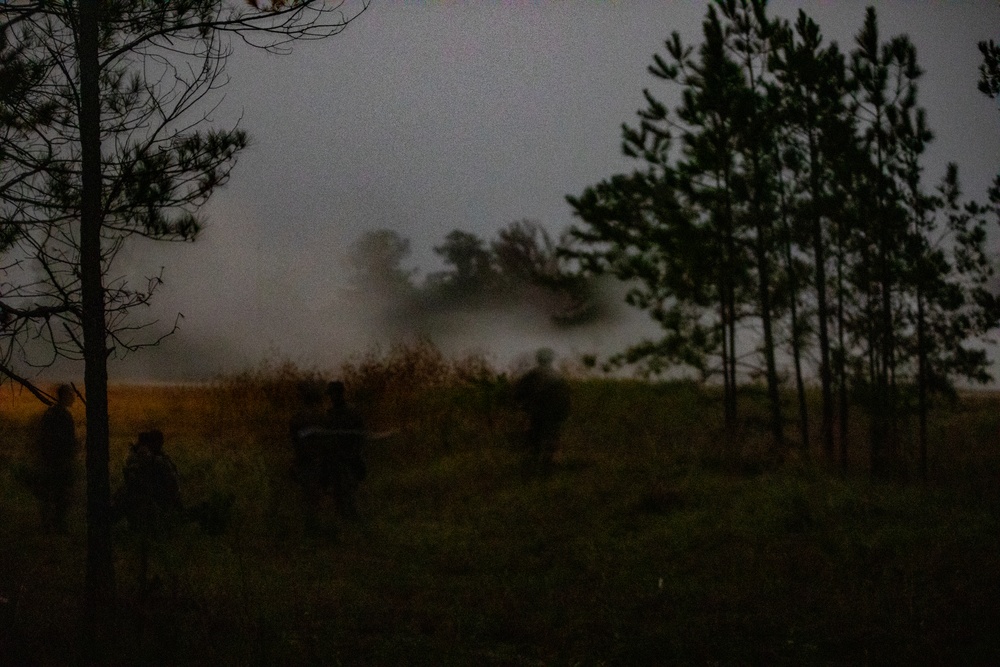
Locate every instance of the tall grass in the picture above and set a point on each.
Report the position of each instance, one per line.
(648, 544)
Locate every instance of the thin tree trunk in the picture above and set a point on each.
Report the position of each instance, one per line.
(841, 342)
(883, 419)
(762, 222)
(763, 250)
(726, 389)
(764, 287)
(922, 380)
(800, 386)
(793, 307)
(730, 272)
(822, 315)
(100, 577)
(876, 398)
(728, 308)
(885, 416)
(733, 407)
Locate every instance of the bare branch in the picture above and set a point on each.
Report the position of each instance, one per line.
(38, 393)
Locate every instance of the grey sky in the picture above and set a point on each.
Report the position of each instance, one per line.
(425, 117)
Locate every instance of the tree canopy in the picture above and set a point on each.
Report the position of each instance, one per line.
(780, 221)
(104, 137)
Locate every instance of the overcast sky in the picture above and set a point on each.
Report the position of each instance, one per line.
(424, 117)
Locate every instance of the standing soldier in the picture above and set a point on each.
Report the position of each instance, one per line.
(308, 432)
(55, 472)
(544, 395)
(149, 497)
(343, 466)
(150, 493)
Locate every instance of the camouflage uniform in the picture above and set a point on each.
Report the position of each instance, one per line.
(544, 396)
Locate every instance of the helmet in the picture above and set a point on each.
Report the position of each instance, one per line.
(152, 439)
(335, 390)
(544, 356)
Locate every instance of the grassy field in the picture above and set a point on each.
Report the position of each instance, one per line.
(649, 544)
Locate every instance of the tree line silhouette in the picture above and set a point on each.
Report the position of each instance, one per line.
(520, 268)
(780, 226)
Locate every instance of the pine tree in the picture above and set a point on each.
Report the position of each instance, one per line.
(884, 76)
(119, 157)
(809, 86)
(780, 157)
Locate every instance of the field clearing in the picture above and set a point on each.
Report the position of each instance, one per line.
(648, 544)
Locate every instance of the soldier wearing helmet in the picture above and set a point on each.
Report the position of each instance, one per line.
(543, 393)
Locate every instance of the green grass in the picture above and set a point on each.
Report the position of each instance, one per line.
(647, 545)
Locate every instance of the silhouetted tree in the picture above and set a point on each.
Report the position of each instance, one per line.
(25, 108)
(520, 267)
(533, 270)
(525, 252)
(470, 277)
(951, 306)
(753, 37)
(376, 260)
(779, 157)
(885, 88)
(809, 88)
(120, 157)
(636, 230)
(989, 70)
(698, 224)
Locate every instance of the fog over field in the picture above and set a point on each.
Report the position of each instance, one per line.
(424, 117)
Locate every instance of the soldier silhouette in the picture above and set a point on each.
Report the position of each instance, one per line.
(328, 451)
(55, 468)
(306, 430)
(543, 394)
(149, 496)
(343, 465)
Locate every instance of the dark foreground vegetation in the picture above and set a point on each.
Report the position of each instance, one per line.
(649, 544)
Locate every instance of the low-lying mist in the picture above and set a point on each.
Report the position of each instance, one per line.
(243, 304)
(325, 337)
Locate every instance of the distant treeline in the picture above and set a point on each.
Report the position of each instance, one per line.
(521, 268)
